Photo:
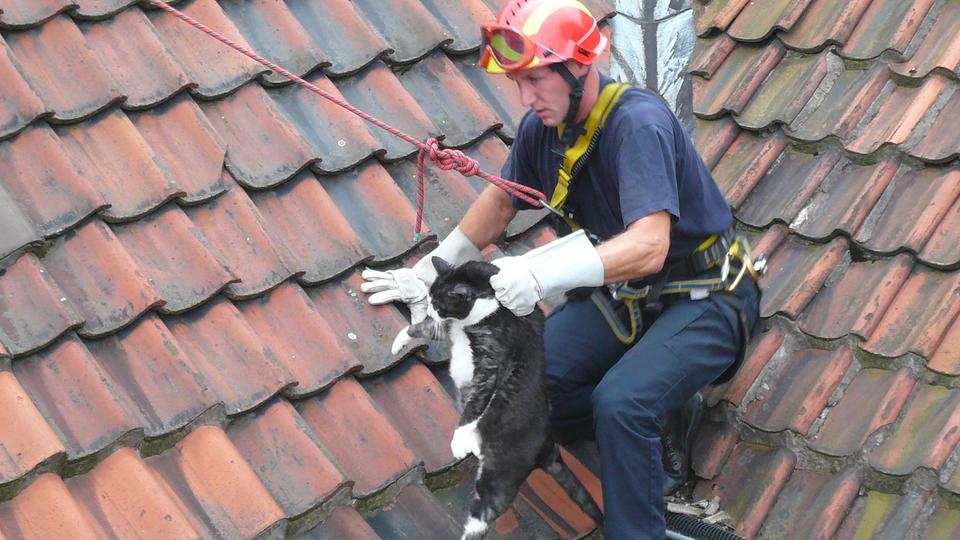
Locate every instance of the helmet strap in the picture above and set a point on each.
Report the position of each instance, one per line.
(572, 130)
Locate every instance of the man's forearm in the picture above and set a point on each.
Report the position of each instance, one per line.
(638, 251)
(488, 217)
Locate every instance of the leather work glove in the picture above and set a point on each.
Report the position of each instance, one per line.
(410, 285)
(549, 270)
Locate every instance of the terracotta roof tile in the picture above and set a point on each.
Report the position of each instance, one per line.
(709, 53)
(844, 198)
(236, 365)
(713, 138)
(187, 149)
(796, 272)
(885, 26)
(749, 484)
(415, 514)
(46, 509)
(761, 350)
(825, 22)
(26, 440)
(237, 234)
(19, 232)
(813, 504)
(940, 143)
(843, 106)
(100, 8)
(735, 81)
(499, 93)
(873, 399)
(130, 49)
(57, 52)
(420, 409)
(899, 116)
(842, 308)
(123, 499)
(283, 451)
(33, 310)
(919, 315)
(302, 340)
(341, 32)
(217, 488)
(759, 20)
(14, 14)
(357, 435)
(946, 359)
(794, 397)
(745, 163)
(712, 447)
(941, 248)
(925, 436)
(344, 522)
(944, 523)
(273, 31)
(542, 492)
(881, 515)
(110, 152)
(275, 154)
(215, 69)
(717, 14)
(366, 330)
(461, 21)
(97, 413)
(339, 138)
(940, 48)
(20, 105)
(781, 98)
(151, 367)
(50, 191)
(918, 202)
(410, 29)
(107, 297)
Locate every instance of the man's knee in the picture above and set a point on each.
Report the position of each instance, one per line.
(616, 404)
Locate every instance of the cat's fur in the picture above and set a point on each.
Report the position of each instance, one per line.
(497, 363)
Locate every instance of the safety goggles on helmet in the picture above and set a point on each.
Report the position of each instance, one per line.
(507, 47)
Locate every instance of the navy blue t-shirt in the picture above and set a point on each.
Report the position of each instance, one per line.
(645, 162)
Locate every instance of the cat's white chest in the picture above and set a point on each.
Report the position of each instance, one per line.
(461, 357)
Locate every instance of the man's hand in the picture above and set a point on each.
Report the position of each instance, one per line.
(515, 286)
(403, 285)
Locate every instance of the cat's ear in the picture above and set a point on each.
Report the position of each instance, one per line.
(440, 265)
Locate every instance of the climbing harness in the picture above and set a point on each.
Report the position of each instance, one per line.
(446, 158)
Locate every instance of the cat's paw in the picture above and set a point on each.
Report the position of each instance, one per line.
(465, 441)
(401, 341)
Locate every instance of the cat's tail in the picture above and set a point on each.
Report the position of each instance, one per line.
(554, 465)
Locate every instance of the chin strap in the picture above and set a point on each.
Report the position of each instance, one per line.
(570, 120)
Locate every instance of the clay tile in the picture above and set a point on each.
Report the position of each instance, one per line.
(420, 409)
(883, 515)
(940, 48)
(298, 473)
(90, 9)
(759, 20)
(925, 436)
(548, 499)
(54, 53)
(825, 22)
(344, 522)
(844, 105)
(717, 15)
(796, 272)
(15, 114)
(735, 82)
(749, 484)
(873, 399)
(365, 329)
(236, 233)
(46, 509)
(302, 340)
(96, 415)
(415, 514)
(14, 14)
(187, 148)
(885, 26)
(899, 117)
(123, 498)
(337, 136)
(33, 310)
(713, 138)
(357, 435)
(844, 199)
(19, 232)
(813, 504)
(149, 364)
(410, 29)
(107, 296)
(377, 209)
(946, 359)
(217, 488)
(378, 92)
(712, 447)
(109, 149)
(26, 439)
(50, 191)
(166, 248)
(236, 365)
(941, 142)
(761, 350)
(919, 316)
(129, 47)
(745, 163)
(855, 302)
(342, 32)
(781, 97)
(794, 397)
(943, 523)
(458, 111)
(709, 53)
(500, 94)
(214, 68)
(274, 154)
(942, 249)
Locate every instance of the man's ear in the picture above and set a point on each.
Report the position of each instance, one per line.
(440, 265)
(577, 69)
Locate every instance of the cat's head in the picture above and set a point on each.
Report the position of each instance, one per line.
(460, 291)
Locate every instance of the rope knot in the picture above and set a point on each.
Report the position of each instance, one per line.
(450, 159)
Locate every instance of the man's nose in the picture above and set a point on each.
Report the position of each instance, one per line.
(527, 96)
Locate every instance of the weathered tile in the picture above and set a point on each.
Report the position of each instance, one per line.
(717, 14)
(26, 440)
(881, 515)
(499, 92)
(46, 509)
(761, 349)
(843, 106)
(735, 81)
(825, 22)
(813, 504)
(758, 20)
(939, 47)
(884, 26)
(415, 514)
(873, 399)
(796, 272)
(542, 492)
(713, 138)
(745, 162)
(461, 21)
(941, 248)
(410, 29)
(946, 358)
(344, 522)
(925, 436)
(899, 116)
(100, 8)
(941, 142)
(712, 447)
(340, 30)
(19, 232)
(943, 523)
(781, 97)
(21, 104)
(709, 54)
(14, 13)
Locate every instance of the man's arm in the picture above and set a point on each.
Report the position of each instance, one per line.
(488, 216)
(639, 251)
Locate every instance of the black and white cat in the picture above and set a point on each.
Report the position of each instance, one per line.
(497, 364)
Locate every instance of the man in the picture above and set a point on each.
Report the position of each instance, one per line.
(659, 219)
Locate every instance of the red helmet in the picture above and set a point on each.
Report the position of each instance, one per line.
(534, 33)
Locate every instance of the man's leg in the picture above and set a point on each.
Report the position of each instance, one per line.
(686, 348)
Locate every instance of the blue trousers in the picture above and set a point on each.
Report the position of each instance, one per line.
(618, 393)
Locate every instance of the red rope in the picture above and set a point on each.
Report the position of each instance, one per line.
(447, 159)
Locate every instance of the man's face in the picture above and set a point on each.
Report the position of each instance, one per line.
(545, 91)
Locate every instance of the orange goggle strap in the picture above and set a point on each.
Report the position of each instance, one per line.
(497, 47)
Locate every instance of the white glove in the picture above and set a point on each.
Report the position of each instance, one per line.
(456, 249)
(549, 270)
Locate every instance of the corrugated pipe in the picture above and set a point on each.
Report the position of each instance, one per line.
(684, 527)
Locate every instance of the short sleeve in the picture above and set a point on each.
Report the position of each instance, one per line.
(645, 161)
